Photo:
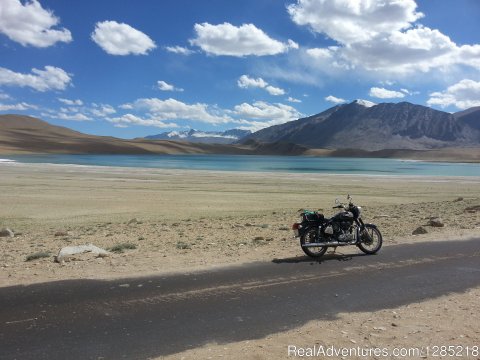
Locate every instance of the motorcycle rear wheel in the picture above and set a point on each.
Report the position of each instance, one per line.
(371, 240)
(309, 237)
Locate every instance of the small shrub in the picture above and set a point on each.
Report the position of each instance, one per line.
(183, 246)
(119, 248)
(37, 255)
(259, 240)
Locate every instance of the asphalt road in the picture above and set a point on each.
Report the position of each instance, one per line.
(146, 317)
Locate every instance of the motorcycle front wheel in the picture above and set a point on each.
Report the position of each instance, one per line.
(309, 237)
(370, 239)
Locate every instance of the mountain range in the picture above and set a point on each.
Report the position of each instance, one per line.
(28, 135)
(371, 127)
(208, 137)
(360, 128)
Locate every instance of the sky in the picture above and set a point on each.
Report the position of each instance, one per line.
(131, 69)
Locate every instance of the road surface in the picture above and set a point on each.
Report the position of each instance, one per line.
(142, 318)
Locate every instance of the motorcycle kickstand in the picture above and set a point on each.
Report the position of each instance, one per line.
(334, 249)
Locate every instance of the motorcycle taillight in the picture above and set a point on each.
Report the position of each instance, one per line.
(295, 226)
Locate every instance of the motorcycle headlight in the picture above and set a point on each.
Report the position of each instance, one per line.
(359, 211)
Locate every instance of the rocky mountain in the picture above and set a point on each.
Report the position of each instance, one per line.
(209, 137)
(368, 126)
(470, 117)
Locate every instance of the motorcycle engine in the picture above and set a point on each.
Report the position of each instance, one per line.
(343, 231)
(339, 231)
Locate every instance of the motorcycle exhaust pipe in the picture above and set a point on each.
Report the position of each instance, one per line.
(332, 243)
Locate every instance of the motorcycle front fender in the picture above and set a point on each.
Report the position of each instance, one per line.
(362, 226)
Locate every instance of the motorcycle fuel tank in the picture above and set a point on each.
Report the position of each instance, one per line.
(343, 216)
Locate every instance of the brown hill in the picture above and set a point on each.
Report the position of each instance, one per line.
(28, 135)
(24, 134)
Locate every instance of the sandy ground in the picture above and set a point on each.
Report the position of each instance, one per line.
(450, 320)
(186, 220)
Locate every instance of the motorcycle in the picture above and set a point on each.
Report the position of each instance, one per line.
(317, 233)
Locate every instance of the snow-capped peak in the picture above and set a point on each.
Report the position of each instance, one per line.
(180, 135)
(365, 103)
(211, 134)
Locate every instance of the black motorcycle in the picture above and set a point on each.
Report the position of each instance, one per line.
(318, 233)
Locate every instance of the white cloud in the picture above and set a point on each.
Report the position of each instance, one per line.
(156, 112)
(409, 92)
(17, 107)
(130, 119)
(52, 78)
(292, 44)
(71, 113)
(71, 117)
(179, 50)
(322, 53)
(172, 109)
(121, 39)
(272, 90)
(162, 85)
(4, 96)
(71, 102)
(261, 114)
(246, 82)
(76, 110)
(30, 24)
(244, 40)
(381, 37)
(383, 93)
(102, 110)
(463, 95)
(469, 55)
(387, 83)
(126, 106)
(418, 49)
(354, 21)
(335, 100)
(293, 100)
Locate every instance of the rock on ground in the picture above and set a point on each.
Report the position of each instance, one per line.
(69, 251)
(6, 232)
(436, 222)
(419, 230)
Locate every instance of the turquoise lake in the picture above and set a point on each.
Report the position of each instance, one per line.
(289, 164)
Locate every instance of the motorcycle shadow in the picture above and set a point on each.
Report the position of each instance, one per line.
(324, 258)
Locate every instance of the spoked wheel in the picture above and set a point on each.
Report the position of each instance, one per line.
(310, 237)
(370, 239)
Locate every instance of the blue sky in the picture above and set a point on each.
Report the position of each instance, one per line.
(131, 69)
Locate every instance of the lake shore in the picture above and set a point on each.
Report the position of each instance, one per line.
(185, 221)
